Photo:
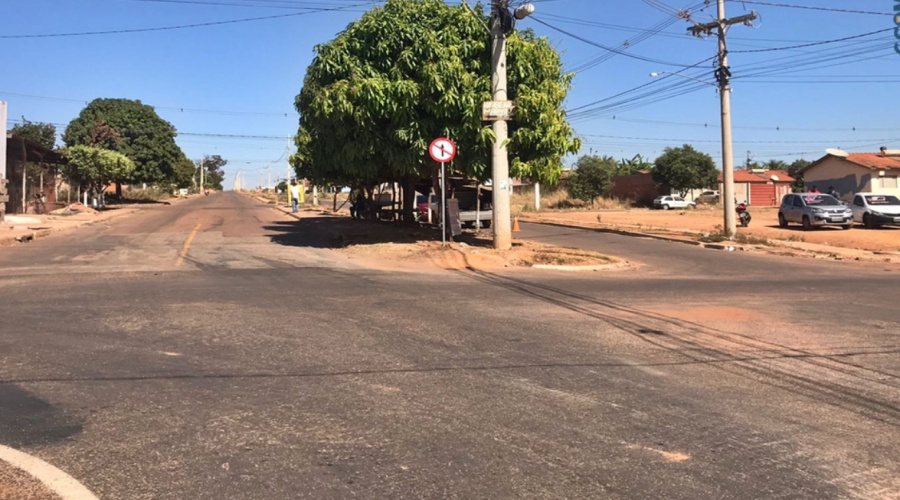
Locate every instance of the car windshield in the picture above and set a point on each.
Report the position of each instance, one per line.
(882, 200)
(818, 200)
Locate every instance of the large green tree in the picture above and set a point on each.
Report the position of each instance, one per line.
(135, 130)
(414, 70)
(40, 133)
(94, 168)
(592, 177)
(685, 168)
(213, 175)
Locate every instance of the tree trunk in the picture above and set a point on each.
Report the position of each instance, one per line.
(409, 200)
(119, 190)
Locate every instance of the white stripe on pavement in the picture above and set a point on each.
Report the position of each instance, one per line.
(56, 480)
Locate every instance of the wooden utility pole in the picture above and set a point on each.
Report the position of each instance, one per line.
(723, 76)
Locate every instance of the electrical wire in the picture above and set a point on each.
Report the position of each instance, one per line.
(808, 7)
(182, 26)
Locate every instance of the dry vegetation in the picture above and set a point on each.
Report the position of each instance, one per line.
(558, 199)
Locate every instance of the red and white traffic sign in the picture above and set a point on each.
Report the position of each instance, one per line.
(442, 150)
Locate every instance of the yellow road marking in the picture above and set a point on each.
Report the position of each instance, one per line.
(187, 246)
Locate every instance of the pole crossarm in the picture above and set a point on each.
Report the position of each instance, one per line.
(708, 28)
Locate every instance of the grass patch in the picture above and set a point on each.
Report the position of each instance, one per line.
(559, 199)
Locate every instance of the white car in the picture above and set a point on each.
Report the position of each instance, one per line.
(667, 202)
(875, 210)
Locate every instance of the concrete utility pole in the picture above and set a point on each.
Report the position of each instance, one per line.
(723, 76)
(4, 193)
(202, 185)
(3, 124)
(501, 23)
(499, 155)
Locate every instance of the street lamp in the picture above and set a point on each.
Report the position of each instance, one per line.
(730, 226)
(502, 23)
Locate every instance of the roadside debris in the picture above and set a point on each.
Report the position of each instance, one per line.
(73, 209)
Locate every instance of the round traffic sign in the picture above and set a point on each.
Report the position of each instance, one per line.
(442, 150)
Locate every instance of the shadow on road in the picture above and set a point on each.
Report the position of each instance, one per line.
(328, 231)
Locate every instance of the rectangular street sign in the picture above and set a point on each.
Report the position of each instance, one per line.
(497, 110)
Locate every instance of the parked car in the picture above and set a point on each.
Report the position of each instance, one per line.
(667, 202)
(875, 210)
(422, 205)
(814, 210)
(709, 196)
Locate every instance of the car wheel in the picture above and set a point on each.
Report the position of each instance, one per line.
(782, 222)
(869, 221)
(665, 207)
(847, 226)
(807, 225)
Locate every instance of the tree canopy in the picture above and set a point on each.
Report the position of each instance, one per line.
(40, 133)
(135, 130)
(94, 168)
(685, 168)
(213, 175)
(414, 70)
(592, 177)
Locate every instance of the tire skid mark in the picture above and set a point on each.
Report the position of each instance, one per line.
(868, 392)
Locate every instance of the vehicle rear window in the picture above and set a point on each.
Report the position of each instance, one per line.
(882, 200)
(818, 200)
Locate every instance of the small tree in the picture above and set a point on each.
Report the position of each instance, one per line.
(592, 178)
(794, 171)
(685, 168)
(96, 168)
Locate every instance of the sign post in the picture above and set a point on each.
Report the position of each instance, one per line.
(443, 150)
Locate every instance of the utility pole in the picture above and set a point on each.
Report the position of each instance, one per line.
(723, 76)
(499, 155)
(202, 184)
(4, 193)
(501, 23)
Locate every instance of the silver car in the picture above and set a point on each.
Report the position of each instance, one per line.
(814, 210)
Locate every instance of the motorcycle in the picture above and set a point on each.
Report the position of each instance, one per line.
(743, 214)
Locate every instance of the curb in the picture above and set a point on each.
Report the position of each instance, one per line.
(57, 481)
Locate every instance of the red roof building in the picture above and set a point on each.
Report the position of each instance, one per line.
(851, 173)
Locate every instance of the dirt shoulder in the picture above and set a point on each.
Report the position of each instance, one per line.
(390, 246)
(699, 224)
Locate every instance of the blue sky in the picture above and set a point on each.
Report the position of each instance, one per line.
(229, 88)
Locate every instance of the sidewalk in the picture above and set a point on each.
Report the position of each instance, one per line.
(24, 228)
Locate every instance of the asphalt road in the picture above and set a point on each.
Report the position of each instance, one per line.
(219, 349)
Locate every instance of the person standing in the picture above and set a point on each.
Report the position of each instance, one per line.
(295, 196)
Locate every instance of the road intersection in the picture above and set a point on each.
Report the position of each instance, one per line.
(266, 365)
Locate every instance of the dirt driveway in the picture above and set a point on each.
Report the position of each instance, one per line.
(708, 219)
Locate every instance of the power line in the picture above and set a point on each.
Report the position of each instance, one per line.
(182, 26)
(808, 7)
(836, 40)
(169, 108)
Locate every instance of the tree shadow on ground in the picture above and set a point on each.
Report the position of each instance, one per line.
(328, 231)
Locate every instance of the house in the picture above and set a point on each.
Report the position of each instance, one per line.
(32, 170)
(760, 188)
(851, 173)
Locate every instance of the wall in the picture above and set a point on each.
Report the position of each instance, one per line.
(847, 177)
(639, 187)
